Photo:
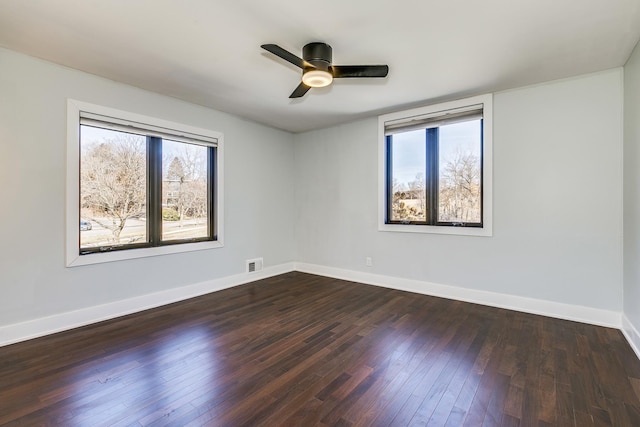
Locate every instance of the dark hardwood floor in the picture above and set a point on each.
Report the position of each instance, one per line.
(304, 350)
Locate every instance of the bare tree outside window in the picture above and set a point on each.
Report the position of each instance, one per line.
(459, 196)
(459, 181)
(112, 186)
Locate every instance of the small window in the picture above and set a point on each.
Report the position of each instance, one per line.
(436, 168)
(141, 186)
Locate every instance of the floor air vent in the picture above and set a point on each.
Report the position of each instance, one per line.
(254, 265)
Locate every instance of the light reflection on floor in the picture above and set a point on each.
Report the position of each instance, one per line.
(162, 376)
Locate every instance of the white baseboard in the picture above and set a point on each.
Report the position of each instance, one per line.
(60, 322)
(73, 319)
(558, 310)
(631, 334)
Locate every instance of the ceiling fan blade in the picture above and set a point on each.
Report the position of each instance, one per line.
(286, 55)
(345, 71)
(300, 91)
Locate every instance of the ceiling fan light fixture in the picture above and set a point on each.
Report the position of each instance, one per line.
(317, 78)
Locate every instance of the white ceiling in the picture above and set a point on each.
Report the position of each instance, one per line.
(208, 51)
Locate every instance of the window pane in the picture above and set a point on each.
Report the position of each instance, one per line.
(113, 188)
(408, 165)
(184, 191)
(459, 197)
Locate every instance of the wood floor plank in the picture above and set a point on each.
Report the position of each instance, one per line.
(305, 350)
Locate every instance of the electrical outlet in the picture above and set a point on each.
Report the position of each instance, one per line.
(368, 261)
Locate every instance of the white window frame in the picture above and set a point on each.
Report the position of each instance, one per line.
(487, 167)
(72, 229)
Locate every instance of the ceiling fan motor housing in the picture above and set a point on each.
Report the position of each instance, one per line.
(318, 54)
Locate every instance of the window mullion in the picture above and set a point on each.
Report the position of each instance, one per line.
(432, 174)
(154, 190)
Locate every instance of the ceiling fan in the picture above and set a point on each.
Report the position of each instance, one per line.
(317, 70)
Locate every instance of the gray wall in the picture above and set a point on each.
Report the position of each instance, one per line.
(632, 189)
(557, 201)
(33, 279)
(557, 198)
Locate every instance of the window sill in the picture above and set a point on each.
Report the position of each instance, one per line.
(432, 229)
(99, 258)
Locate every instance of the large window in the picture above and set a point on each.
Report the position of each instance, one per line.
(436, 168)
(139, 186)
